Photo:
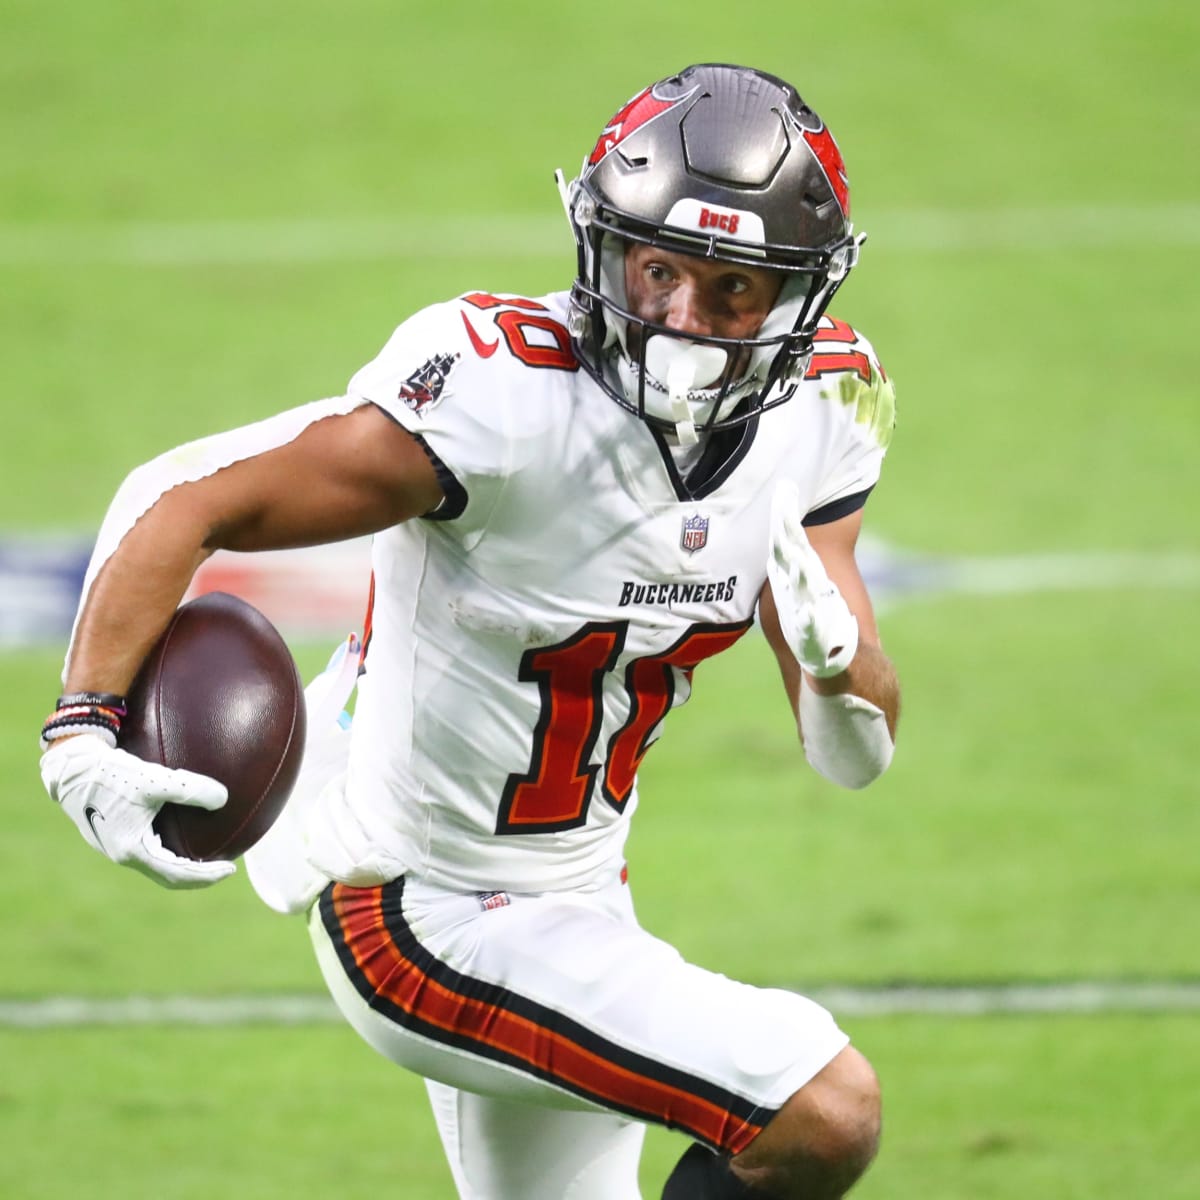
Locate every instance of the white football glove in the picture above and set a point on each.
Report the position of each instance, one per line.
(113, 797)
(816, 621)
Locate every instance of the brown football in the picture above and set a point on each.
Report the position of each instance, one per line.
(220, 694)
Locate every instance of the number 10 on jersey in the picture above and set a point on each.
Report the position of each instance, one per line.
(555, 792)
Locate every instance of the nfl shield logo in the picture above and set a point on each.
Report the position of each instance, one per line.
(695, 533)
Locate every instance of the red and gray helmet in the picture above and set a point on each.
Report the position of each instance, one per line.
(727, 163)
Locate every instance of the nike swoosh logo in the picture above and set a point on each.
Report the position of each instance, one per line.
(92, 815)
(482, 348)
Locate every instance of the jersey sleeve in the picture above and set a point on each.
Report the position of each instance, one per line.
(429, 379)
(866, 400)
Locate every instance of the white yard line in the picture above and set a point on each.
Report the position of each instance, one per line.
(1076, 998)
(896, 576)
(297, 242)
(1073, 572)
(56, 1012)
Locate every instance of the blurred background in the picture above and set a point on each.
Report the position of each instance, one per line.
(209, 213)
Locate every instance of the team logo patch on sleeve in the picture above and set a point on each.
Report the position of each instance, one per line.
(424, 387)
(695, 533)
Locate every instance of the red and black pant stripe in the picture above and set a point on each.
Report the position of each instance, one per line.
(399, 978)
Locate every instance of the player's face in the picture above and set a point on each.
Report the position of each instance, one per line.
(697, 295)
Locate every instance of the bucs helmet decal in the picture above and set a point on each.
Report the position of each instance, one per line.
(822, 144)
(645, 106)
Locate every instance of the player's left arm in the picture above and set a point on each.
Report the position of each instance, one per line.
(818, 618)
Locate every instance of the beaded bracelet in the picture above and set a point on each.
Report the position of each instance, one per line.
(97, 713)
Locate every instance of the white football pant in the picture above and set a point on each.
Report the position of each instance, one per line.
(553, 1026)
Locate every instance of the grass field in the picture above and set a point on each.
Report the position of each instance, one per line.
(211, 213)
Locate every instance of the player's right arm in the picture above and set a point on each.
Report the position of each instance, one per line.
(343, 476)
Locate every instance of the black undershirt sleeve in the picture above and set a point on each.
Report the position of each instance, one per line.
(454, 500)
(836, 509)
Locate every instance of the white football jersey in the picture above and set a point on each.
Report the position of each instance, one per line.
(529, 637)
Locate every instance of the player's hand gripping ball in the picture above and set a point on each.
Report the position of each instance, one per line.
(816, 621)
(219, 695)
(113, 797)
(208, 751)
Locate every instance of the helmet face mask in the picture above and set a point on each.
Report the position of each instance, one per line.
(729, 165)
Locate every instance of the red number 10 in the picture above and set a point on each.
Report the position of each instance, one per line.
(555, 792)
(518, 316)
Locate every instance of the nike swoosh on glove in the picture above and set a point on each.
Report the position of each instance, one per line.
(113, 797)
(817, 623)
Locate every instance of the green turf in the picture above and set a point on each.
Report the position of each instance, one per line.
(1082, 1109)
(1025, 284)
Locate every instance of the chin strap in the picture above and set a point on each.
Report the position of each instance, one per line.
(680, 375)
(682, 366)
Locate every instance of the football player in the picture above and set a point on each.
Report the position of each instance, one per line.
(576, 499)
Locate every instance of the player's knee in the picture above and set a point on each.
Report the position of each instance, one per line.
(849, 1120)
(823, 1138)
